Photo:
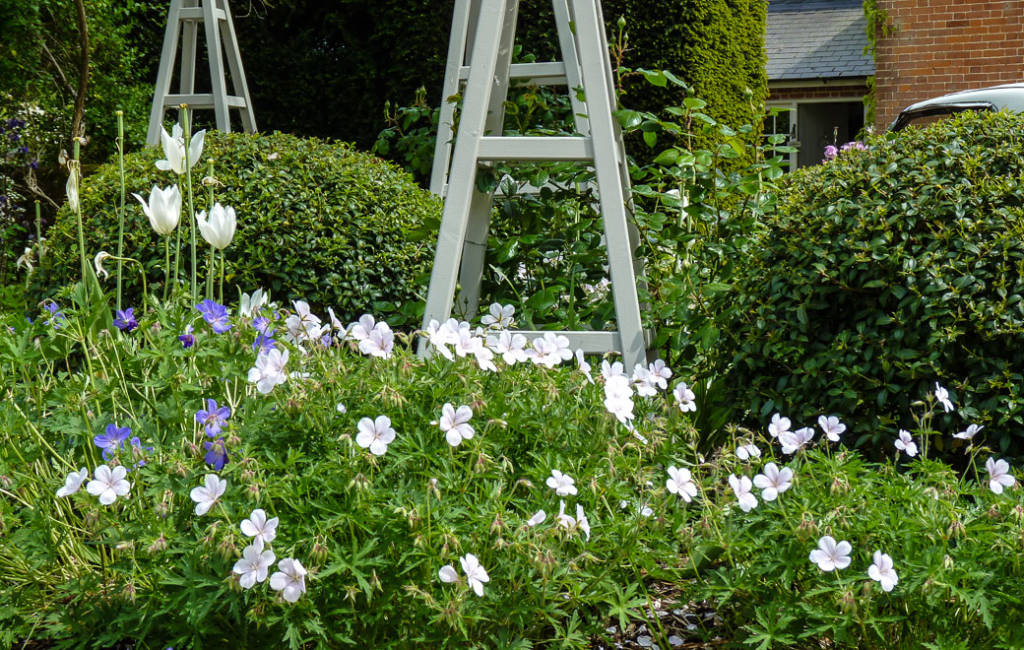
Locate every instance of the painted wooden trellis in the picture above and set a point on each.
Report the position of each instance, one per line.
(183, 24)
(479, 54)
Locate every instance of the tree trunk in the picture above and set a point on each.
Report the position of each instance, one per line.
(77, 127)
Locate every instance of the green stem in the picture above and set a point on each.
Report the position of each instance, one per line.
(211, 272)
(167, 264)
(75, 167)
(223, 263)
(120, 211)
(187, 126)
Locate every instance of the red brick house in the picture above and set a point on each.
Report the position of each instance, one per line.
(818, 70)
(942, 46)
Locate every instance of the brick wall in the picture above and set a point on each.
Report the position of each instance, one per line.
(944, 46)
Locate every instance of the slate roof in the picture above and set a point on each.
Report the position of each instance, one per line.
(815, 39)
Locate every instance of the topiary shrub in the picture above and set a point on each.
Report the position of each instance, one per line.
(884, 272)
(317, 220)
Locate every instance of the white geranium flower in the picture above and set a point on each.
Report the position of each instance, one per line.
(500, 316)
(484, 357)
(582, 522)
(511, 347)
(832, 427)
(747, 451)
(108, 484)
(303, 325)
(207, 495)
(380, 343)
(609, 370)
(778, 425)
(259, 527)
(440, 338)
(564, 520)
(906, 443)
(475, 574)
(289, 579)
(537, 518)
(447, 573)
(455, 424)
(584, 367)
(773, 481)
(618, 398)
(999, 475)
(550, 350)
(562, 484)
(685, 398)
(881, 571)
(680, 482)
(375, 434)
(830, 556)
(72, 482)
(269, 370)
(794, 440)
(971, 431)
(174, 150)
(645, 383)
(340, 408)
(163, 208)
(254, 564)
(466, 342)
(361, 329)
(942, 395)
(660, 373)
(742, 487)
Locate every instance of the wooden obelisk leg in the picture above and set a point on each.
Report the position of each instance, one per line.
(567, 42)
(238, 82)
(163, 76)
(216, 56)
(596, 81)
(455, 218)
(475, 248)
(450, 87)
(187, 84)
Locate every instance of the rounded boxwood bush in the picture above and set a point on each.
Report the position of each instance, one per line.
(884, 272)
(317, 220)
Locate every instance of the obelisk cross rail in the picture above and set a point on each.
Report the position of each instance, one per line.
(480, 51)
(183, 22)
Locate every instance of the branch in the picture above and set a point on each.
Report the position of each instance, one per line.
(77, 128)
(60, 72)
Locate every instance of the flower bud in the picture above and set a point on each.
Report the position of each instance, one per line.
(159, 545)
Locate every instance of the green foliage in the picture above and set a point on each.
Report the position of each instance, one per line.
(315, 219)
(373, 531)
(371, 52)
(883, 272)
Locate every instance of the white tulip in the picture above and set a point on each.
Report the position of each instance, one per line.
(163, 209)
(174, 150)
(219, 229)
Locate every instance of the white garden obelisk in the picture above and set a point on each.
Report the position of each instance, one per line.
(479, 53)
(183, 24)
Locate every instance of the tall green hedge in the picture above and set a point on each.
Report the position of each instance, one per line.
(327, 69)
(882, 273)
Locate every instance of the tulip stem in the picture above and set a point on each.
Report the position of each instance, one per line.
(167, 264)
(211, 273)
(188, 184)
(120, 211)
(223, 263)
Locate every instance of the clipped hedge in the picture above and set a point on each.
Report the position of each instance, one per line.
(316, 220)
(884, 272)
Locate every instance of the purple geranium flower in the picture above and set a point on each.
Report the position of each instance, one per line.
(56, 316)
(213, 417)
(137, 450)
(264, 342)
(261, 324)
(831, 152)
(112, 440)
(216, 453)
(125, 320)
(187, 339)
(215, 314)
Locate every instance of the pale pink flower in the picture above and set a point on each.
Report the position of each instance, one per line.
(881, 571)
(830, 556)
(455, 424)
(999, 475)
